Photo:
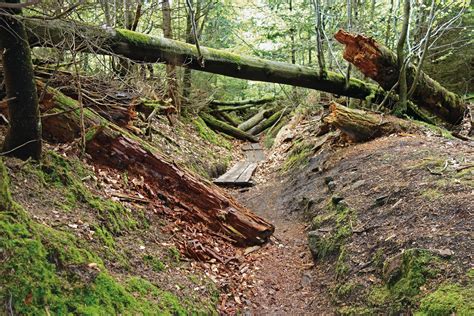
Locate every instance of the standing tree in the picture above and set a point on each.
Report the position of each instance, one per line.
(401, 61)
(23, 139)
(170, 69)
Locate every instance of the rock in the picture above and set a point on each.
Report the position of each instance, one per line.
(336, 199)
(314, 240)
(306, 279)
(331, 185)
(444, 253)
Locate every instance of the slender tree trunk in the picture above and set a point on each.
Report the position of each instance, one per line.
(389, 24)
(23, 139)
(187, 75)
(170, 69)
(319, 40)
(401, 107)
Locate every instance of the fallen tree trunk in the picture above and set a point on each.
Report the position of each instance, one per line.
(257, 118)
(379, 63)
(243, 102)
(112, 146)
(361, 126)
(225, 128)
(227, 118)
(231, 108)
(263, 125)
(145, 48)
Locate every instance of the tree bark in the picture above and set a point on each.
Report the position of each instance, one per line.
(170, 68)
(379, 63)
(23, 139)
(254, 120)
(263, 125)
(360, 126)
(401, 106)
(225, 128)
(243, 102)
(141, 47)
(111, 146)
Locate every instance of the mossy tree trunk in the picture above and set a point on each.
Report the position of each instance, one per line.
(225, 128)
(23, 139)
(144, 48)
(379, 63)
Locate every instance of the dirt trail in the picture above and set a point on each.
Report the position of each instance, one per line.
(287, 280)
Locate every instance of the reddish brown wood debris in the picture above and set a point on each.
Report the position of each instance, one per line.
(361, 51)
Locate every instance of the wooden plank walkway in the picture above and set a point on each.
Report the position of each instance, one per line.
(241, 173)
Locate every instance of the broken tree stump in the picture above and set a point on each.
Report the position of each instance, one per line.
(112, 146)
(379, 63)
(361, 126)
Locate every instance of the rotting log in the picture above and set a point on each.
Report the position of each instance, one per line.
(230, 108)
(225, 118)
(112, 146)
(257, 118)
(379, 63)
(145, 48)
(243, 102)
(225, 128)
(272, 120)
(361, 126)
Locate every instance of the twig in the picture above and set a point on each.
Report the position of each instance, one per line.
(440, 172)
(18, 147)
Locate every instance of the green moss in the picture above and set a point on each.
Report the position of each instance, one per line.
(345, 289)
(417, 266)
(339, 216)
(154, 263)
(45, 271)
(435, 129)
(299, 156)
(448, 299)
(407, 275)
(174, 254)
(354, 310)
(379, 296)
(431, 194)
(66, 174)
(341, 264)
(209, 135)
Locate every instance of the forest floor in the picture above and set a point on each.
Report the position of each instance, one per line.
(382, 226)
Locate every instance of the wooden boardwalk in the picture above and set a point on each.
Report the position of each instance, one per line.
(241, 173)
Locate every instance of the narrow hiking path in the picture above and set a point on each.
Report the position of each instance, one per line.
(287, 281)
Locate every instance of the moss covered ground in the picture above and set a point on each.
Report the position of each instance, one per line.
(47, 271)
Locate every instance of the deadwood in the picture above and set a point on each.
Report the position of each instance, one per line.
(223, 127)
(360, 125)
(112, 146)
(145, 48)
(379, 63)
